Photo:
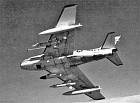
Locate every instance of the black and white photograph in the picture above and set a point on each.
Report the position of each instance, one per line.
(69, 51)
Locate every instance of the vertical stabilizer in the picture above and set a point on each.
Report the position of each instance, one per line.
(109, 41)
(67, 16)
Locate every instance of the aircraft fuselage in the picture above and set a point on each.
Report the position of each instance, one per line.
(43, 62)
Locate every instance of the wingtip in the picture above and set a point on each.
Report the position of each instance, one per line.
(43, 33)
(70, 5)
(111, 32)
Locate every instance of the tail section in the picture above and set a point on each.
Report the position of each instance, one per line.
(67, 16)
(109, 43)
(115, 59)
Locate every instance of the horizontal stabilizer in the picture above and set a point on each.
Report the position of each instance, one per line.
(115, 59)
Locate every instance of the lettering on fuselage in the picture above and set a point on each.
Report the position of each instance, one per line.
(92, 52)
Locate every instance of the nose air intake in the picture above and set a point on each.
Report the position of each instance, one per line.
(28, 64)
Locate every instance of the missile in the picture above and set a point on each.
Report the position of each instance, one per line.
(48, 44)
(75, 92)
(40, 46)
(36, 45)
(49, 76)
(35, 48)
(63, 85)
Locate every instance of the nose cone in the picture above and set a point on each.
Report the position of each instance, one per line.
(28, 65)
(68, 93)
(24, 66)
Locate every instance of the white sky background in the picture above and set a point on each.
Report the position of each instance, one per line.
(22, 20)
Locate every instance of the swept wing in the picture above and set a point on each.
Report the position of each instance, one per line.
(67, 16)
(74, 74)
(66, 21)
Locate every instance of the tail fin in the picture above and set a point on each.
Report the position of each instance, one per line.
(67, 16)
(110, 40)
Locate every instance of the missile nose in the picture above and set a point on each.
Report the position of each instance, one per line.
(22, 64)
(53, 86)
(67, 93)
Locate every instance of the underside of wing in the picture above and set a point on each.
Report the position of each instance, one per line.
(82, 82)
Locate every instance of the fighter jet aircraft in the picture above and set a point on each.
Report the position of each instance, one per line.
(65, 67)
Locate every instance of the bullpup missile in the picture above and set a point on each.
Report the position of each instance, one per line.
(49, 76)
(48, 44)
(35, 48)
(75, 92)
(63, 84)
(40, 46)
